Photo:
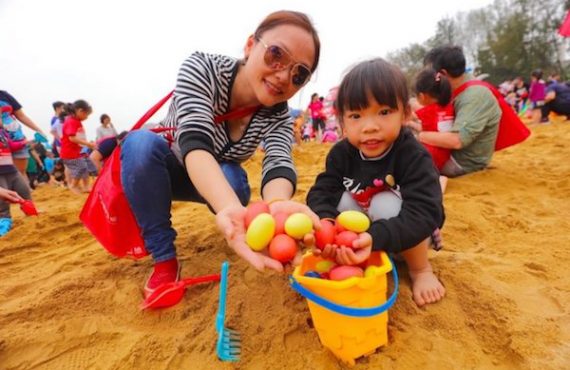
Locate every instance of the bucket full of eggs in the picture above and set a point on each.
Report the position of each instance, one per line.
(348, 304)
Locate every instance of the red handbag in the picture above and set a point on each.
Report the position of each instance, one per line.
(511, 129)
(107, 213)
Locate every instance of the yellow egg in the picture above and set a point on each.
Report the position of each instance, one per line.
(297, 225)
(260, 231)
(324, 266)
(354, 221)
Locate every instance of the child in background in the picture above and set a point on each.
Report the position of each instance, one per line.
(59, 173)
(536, 96)
(433, 92)
(307, 132)
(10, 177)
(382, 170)
(72, 140)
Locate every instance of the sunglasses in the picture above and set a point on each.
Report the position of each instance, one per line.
(278, 59)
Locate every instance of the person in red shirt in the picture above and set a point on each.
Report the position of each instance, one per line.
(72, 140)
(433, 93)
(317, 117)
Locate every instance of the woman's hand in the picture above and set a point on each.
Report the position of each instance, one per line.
(360, 253)
(230, 221)
(10, 196)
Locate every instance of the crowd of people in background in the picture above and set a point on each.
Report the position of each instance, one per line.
(67, 160)
(538, 98)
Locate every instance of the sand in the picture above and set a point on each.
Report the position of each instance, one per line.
(67, 304)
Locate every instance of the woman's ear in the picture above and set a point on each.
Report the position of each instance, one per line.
(249, 44)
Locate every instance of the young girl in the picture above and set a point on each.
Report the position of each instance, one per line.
(381, 169)
(72, 140)
(536, 95)
(203, 164)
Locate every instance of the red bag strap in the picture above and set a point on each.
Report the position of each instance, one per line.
(470, 83)
(236, 113)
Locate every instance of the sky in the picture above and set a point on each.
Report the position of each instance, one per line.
(122, 56)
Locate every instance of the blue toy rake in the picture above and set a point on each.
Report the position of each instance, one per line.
(228, 346)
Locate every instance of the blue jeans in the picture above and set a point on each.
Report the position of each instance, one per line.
(152, 177)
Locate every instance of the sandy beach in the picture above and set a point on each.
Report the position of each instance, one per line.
(65, 303)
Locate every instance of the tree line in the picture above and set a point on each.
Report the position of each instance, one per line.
(506, 39)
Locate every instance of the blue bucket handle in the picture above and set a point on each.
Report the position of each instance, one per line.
(344, 310)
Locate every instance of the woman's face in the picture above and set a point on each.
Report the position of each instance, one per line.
(272, 86)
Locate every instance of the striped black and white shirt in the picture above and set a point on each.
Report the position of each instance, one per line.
(203, 91)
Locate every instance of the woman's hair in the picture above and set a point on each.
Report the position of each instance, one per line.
(376, 77)
(103, 117)
(72, 108)
(434, 84)
(289, 17)
(315, 95)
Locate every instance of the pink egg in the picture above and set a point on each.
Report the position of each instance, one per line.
(325, 235)
(344, 272)
(346, 238)
(254, 209)
(280, 218)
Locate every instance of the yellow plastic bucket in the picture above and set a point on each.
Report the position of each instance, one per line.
(351, 316)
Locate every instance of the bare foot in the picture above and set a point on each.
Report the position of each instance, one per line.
(426, 288)
(74, 189)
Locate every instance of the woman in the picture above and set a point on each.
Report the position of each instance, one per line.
(106, 129)
(204, 162)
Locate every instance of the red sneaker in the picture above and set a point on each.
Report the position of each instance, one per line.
(163, 272)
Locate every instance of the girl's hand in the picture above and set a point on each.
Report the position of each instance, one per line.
(10, 196)
(360, 253)
(230, 221)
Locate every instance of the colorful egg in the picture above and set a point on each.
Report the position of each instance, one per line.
(312, 274)
(371, 271)
(324, 266)
(354, 221)
(325, 235)
(254, 209)
(283, 248)
(260, 232)
(345, 238)
(345, 272)
(298, 225)
(280, 218)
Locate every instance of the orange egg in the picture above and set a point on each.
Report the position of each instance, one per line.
(346, 238)
(283, 248)
(325, 235)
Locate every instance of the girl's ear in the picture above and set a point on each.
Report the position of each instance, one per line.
(249, 44)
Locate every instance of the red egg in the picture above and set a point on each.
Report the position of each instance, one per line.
(345, 272)
(345, 238)
(253, 210)
(325, 235)
(339, 227)
(280, 218)
(283, 248)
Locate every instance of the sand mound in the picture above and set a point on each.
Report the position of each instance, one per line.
(67, 304)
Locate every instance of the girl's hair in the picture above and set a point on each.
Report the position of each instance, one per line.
(289, 17)
(537, 73)
(103, 117)
(434, 84)
(376, 77)
(72, 108)
(315, 95)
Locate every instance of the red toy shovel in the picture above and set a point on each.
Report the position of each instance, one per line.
(28, 207)
(169, 294)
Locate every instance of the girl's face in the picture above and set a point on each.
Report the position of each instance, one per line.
(82, 114)
(372, 130)
(290, 52)
(425, 99)
(106, 121)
